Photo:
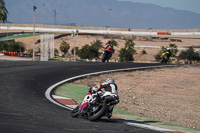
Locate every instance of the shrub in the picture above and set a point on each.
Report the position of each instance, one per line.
(126, 53)
(189, 56)
(143, 52)
(64, 47)
(88, 52)
(12, 46)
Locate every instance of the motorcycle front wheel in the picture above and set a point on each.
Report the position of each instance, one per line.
(75, 112)
(103, 58)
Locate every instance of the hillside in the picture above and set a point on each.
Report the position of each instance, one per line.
(95, 13)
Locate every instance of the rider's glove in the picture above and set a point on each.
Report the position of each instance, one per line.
(96, 88)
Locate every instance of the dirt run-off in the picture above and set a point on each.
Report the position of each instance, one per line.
(170, 95)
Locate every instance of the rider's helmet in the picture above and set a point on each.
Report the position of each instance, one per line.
(110, 81)
(109, 42)
(168, 49)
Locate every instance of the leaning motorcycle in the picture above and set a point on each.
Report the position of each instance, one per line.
(96, 107)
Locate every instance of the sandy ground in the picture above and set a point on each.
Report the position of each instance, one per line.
(139, 41)
(170, 95)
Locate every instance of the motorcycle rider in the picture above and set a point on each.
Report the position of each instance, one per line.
(109, 49)
(110, 86)
(166, 54)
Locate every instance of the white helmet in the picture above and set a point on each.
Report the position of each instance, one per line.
(168, 49)
(110, 81)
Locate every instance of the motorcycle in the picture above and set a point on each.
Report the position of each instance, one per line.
(106, 56)
(93, 108)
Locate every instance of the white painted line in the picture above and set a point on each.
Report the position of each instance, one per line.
(72, 106)
(147, 126)
(136, 124)
(59, 97)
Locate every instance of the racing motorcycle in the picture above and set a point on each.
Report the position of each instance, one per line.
(93, 108)
(107, 54)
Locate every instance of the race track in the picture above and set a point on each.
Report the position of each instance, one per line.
(25, 109)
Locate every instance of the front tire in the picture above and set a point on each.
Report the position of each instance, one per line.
(75, 112)
(103, 58)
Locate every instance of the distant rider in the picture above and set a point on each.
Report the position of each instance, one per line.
(166, 55)
(109, 49)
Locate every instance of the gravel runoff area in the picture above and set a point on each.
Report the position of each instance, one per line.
(170, 95)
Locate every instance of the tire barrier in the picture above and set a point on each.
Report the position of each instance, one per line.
(7, 53)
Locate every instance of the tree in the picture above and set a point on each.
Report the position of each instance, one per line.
(88, 52)
(16, 47)
(173, 50)
(126, 53)
(64, 47)
(189, 56)
(114, 43)
(55, 51)
(12, 46)
(129, 44)
(76, 50)
(3, 11)
(97, 44)
(3, 46)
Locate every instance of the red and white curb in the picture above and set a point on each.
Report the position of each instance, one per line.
(65, 101)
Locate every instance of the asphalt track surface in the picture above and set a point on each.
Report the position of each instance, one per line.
(25, 109)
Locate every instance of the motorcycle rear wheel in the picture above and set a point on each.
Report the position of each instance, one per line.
(93, 116)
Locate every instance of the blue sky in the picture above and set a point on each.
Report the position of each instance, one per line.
(189, 5)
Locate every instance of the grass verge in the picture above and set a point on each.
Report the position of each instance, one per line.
(78, 92)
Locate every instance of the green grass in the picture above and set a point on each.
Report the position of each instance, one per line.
(19, 36)
(78, 92)
(22, 36)
(72, 91)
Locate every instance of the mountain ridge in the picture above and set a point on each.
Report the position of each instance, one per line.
(96, 13)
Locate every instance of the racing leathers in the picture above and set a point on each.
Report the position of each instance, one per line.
(110, 87)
